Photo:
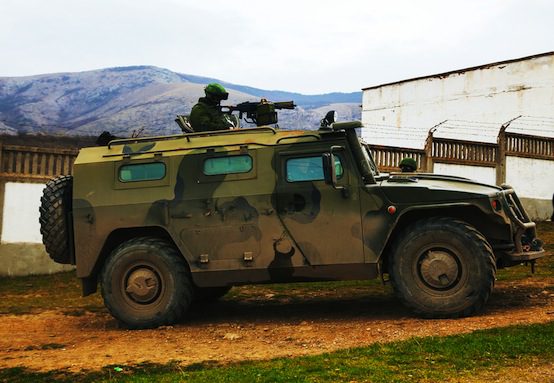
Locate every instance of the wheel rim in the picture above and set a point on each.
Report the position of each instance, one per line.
(439, 269)
(142, 285)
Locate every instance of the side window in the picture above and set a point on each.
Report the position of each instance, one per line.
(227, 165)
(142, 172)
(309, 169)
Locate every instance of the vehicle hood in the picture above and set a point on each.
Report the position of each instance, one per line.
(429, 188)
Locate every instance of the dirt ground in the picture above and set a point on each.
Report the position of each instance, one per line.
(246, 329)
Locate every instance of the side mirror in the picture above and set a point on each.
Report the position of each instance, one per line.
(329, 173)
(330, 170)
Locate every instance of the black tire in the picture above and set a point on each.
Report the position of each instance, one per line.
(209, 294)
(442, 268)
(146, 283)
(55, 208)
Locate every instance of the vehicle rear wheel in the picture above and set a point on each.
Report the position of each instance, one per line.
(146, 283)
(55, 206)
(442, 268)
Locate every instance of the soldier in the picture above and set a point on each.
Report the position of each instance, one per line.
(408, 165)
(206, 114)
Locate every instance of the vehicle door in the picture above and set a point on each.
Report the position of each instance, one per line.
(324, 222)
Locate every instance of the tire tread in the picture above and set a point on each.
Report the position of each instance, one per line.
(55, 204)
(471, 234)
(183, 284)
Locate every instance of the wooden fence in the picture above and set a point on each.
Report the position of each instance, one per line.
(469, 153)
(388, 158)
(33, 164)
(520, 145)
(464, 152)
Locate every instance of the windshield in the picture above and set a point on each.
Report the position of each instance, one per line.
(369, 158)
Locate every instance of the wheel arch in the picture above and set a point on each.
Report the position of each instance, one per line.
(114, 239)
(471, 214)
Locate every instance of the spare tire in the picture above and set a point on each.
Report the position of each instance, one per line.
(55, 219)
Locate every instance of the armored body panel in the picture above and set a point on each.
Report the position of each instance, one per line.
(161, 221)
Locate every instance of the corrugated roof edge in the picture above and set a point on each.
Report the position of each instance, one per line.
(445, 74)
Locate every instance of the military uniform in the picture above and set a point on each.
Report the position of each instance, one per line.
(206, 115)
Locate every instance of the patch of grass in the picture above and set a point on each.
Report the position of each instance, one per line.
(545, 231)
(544, 268)
(26, 295)
(431, 359)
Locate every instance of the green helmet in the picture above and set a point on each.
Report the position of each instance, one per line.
(408, 164)
(216, 91)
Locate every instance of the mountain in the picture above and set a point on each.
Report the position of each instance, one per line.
(126, 99)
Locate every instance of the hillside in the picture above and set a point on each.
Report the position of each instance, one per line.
(125, 99)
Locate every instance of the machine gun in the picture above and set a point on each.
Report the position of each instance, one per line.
(259, 113)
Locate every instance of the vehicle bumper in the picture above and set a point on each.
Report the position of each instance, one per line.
(526, 256)
(527, 246)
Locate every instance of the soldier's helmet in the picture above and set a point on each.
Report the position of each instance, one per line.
(216, 91)
(408, 165)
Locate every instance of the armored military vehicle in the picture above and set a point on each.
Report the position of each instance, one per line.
(159, 222)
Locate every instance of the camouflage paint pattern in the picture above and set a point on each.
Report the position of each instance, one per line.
(257, 226)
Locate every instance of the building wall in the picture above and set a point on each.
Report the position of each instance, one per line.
(533, 179)
(27, 162)
(21, 248)
(495, 93)
(482, 174)
(20, 220)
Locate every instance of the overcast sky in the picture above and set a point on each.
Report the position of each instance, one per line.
(303, 46)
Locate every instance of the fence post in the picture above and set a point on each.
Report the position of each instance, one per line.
(501, 152)
(501, 156)
(428, 163)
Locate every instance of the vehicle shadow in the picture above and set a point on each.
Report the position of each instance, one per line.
(516, 295)
(298, 310)
(293, 308)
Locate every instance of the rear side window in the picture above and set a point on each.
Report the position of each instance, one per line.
(142, 172)
(309, 169)
(227, 165)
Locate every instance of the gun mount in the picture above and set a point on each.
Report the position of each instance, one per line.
(260, 113)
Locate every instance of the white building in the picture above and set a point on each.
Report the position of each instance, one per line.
(24, 170)
(475, 102)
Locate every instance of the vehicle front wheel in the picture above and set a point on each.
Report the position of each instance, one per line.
(442, 268)
(146, 283)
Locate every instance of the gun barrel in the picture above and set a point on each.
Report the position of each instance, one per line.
(285, 105)
(244, 107)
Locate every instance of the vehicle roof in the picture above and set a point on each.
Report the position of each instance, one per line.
(191, 142)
